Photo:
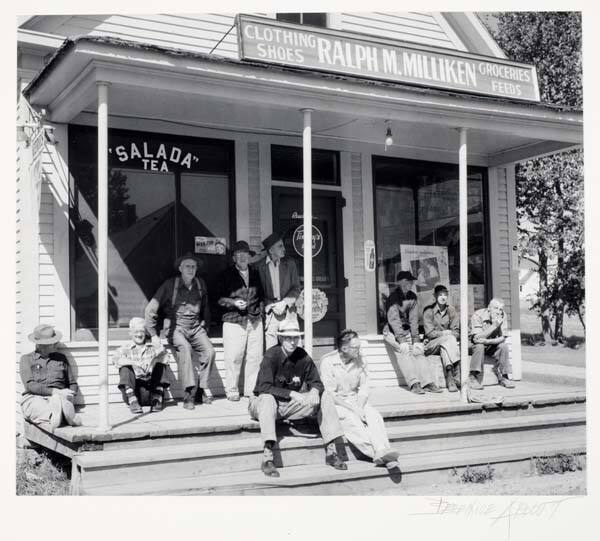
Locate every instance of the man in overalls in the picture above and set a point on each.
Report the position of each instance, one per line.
(184, 301)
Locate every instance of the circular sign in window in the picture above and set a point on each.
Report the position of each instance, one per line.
(319, 304)
(298, 240)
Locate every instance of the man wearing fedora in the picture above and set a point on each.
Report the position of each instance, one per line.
(49, 384)
(241, 298)
(441, 322)
(281, 285)
(289, 387)
(401, 335)
(183, 299)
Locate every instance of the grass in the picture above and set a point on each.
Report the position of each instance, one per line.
(481, 474)
(560, 463)
(42, 473)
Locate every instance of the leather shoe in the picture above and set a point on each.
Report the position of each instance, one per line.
(416, 388)
(202, 397)
(134, 406)
(505, 382)
(157, 403)
(188, 403)
(234, 398)
(269, 469)
(474, 383)
(334, 460)
(432, 388)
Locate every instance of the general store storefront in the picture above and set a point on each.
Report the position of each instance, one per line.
(204, 150)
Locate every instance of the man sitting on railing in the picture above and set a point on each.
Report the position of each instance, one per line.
(50, 387)
(288, 387)
(142, 377)
(401, 334)
(442, 331)
(344, 375)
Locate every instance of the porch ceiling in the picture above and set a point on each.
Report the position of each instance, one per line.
(232, 96)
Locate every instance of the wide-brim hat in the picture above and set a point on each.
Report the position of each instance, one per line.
(187, 255)
(405, 275)
(289, 328)
(45, 334)
(271, 239)
(242, 246)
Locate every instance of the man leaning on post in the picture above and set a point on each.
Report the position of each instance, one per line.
(289, 387)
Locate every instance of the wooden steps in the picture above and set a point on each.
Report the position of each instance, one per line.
(360, 478)
(206, 465)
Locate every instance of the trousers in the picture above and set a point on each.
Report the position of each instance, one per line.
(498, 351)
(267, 410)
(242, 341)
(414, 368)
(446, 347)
(369, 437)
(142, 387)
(187, 340)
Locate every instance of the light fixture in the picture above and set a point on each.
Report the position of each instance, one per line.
(24, 136)
(389, 140)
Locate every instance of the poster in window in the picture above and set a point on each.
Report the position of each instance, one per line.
(429, 265)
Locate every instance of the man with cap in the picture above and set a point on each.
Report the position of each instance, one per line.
(289, 387)
(183, 299)
(442, 331)
(241, 298)
(401, 335)
(281, 286)
(49, 384)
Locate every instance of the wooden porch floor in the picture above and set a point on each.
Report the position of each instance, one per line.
(224, 416)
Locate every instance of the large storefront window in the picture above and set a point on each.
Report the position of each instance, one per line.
(168, 195)
(417, 229)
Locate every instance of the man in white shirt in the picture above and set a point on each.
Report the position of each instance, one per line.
(344, 375)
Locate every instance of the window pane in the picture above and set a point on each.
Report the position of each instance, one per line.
(289, 17)
(315, 19)
(417, 227)
(287, 165)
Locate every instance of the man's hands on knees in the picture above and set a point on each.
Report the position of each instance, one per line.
(404, 348)
(66, 393)
(311, 398)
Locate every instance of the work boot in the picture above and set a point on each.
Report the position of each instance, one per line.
(416, 388)
(457, 374)
(188, 400)
(334, 460)
(450, 383)
(269, 469)
(474, 382)
(134, 406)
(156, 403)
(432, 388)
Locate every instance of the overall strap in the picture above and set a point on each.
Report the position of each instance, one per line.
(175, 288)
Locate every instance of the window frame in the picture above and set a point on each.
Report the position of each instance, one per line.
(337, 180)
(487, 267)
(118, 333)
(301, 22)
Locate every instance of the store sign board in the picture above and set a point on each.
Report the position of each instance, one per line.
(365, 56)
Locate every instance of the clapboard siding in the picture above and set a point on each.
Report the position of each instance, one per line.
(503, 244)
(359, 288)
(415, 27)
(198, 33)
(254, 237)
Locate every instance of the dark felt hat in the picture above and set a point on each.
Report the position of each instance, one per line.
(242, 246)
(405, 275)
(45, 334)
(187, 255)
(271, 239)
(438, 289)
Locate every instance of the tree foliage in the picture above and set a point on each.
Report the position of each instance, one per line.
(550, 208)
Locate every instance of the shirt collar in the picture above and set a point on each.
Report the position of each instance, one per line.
(270, 261)
(132, 345)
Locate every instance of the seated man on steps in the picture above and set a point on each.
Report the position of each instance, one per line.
(49, 384)
(344, 375)
(141, 370)
(288, 387)
(488, 334)
(442, 331)
(401, 334)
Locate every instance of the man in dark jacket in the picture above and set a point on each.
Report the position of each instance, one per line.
(50, 387)
(289, 387)
(241, 298)
(401, 335)
(281, 286)
(184, 301)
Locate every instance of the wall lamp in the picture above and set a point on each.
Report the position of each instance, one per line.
(389, 140)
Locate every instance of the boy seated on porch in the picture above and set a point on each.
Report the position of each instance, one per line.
(142, 375)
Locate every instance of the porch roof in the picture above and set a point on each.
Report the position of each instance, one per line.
(148, 81)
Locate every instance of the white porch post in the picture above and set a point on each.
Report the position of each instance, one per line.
(464, 262)
(307, 212)
(103, 422)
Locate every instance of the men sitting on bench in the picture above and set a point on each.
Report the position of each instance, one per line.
(50, 387)
(442, 331)
(142, 376)
(288, 386)
(401, 334)
(344, 375)
(488, 334)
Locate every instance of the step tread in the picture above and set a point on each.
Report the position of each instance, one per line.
(97, 459)
(302, 475)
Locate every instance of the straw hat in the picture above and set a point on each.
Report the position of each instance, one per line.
(45, 334)
(289, 328)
